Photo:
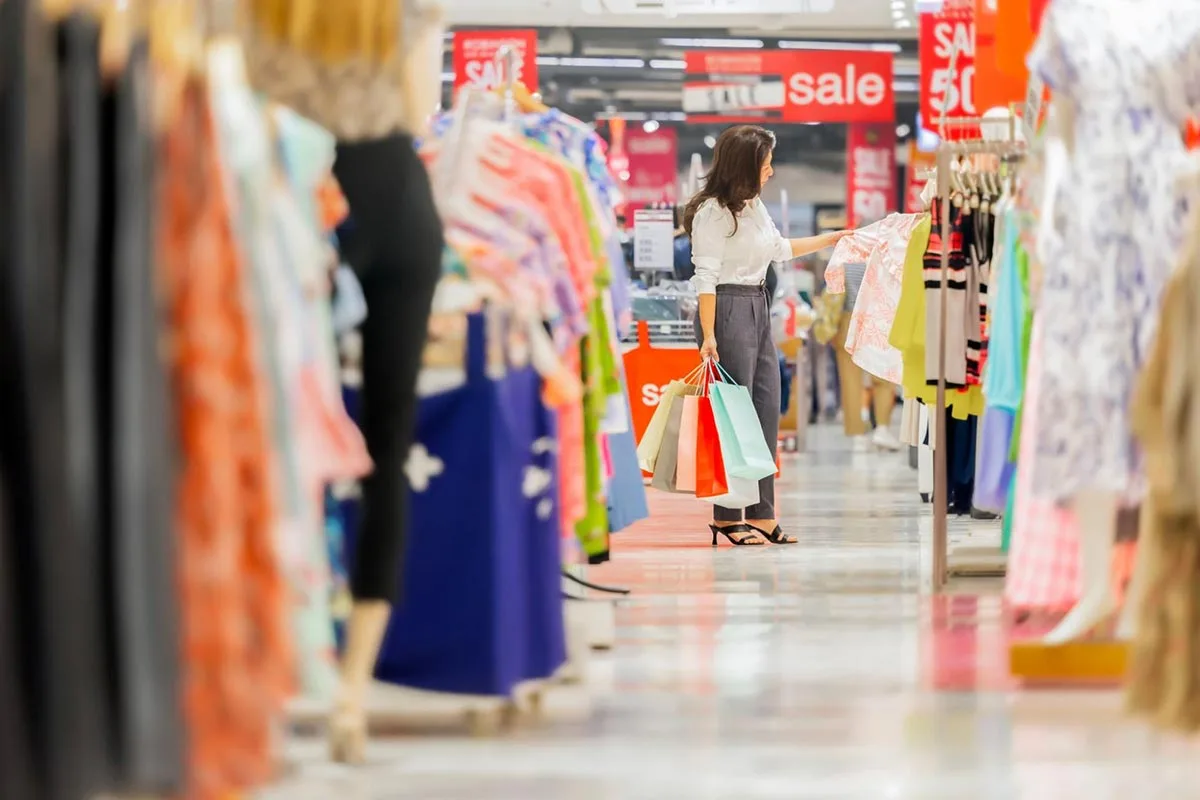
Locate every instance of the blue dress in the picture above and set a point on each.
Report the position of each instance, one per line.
(1130, 72)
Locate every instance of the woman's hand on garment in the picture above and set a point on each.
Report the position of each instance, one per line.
(837, 236)
(709, 348)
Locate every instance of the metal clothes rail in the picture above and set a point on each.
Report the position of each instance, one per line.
(947, 153)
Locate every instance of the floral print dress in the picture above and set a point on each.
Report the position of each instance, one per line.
(1130, 72)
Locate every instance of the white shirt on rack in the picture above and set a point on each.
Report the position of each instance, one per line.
(722, 255)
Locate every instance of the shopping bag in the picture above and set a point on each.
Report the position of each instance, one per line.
(664, 467)
(685, 467)
(650, 446)
(710, 467)
(743, 446)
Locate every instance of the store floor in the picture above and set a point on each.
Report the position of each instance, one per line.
(821, 670)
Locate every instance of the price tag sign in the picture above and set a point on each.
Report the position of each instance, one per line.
(653, 239)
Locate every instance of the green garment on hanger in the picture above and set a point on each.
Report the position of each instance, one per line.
(1006, 524)
(1022, 262)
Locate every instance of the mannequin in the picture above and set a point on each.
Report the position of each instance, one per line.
(371, 74)
(1110, 192)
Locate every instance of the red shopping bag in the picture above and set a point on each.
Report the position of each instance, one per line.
(710, 466)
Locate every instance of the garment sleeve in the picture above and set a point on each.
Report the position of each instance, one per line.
(854, 249)
(710, 231)
(782, 250)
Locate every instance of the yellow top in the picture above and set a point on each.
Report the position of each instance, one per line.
(908, 333)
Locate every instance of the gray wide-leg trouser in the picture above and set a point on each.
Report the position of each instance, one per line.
(747, 352)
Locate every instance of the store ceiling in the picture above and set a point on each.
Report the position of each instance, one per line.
(637, 72)
(784, 18)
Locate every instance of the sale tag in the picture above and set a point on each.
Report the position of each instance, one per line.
(947, 50)
(476, 62)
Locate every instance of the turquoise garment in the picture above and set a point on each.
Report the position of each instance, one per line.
(1004, 381)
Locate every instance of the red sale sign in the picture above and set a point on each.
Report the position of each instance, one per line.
(653, 165)
(476, 64)
(870, 173)
(789, 86)
(948, 64)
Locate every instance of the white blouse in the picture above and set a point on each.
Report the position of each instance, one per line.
(722, 256)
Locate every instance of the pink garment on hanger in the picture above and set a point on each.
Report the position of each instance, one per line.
(882, 247)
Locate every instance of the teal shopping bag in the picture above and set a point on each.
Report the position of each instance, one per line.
(743, 446)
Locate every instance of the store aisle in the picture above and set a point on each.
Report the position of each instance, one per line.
(821, 670)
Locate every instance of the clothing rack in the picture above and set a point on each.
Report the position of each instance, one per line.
(506, 63)
(1008, 151)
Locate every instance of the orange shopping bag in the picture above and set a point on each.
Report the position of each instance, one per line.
(710, 466)
(685, 464)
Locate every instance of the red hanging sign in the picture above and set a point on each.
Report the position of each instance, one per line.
(1037, 9)
(769, 86)
(947, 52)
(870, 173)
(993, 86)
(475, 62)
(1014, 37)
(653, 166)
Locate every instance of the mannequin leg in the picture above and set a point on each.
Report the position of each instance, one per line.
(395, 246)
(1097, 514)
(364, 636)
(1144, 566)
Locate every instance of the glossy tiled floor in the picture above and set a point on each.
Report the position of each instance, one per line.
(822, 670)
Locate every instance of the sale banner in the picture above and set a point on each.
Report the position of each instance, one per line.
(870, 172)
(782, 86)
(947, 60)
(653, 166)
(476, 65)
(920, 164)
(993, 86)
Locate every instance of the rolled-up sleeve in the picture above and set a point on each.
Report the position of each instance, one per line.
(709, 235)
(783, 247)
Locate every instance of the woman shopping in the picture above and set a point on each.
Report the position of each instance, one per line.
(734, 241)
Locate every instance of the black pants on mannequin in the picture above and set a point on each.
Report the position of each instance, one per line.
(395, 246)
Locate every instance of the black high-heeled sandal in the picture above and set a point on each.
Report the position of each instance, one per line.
(776, 536)
(749, 540)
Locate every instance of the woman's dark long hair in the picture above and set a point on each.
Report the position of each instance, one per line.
(736, 175)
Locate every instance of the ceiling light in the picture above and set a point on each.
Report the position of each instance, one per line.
(618, 63)
(903, 130)
(447, 77)
(898, 14)
(737, 44)
(903, 23)
(905, 86)
(650, 125)
(899, 4)
(667, 63)
(879, 47)
(710, 141)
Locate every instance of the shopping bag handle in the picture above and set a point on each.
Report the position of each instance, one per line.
(723, 376)
(693, 377)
